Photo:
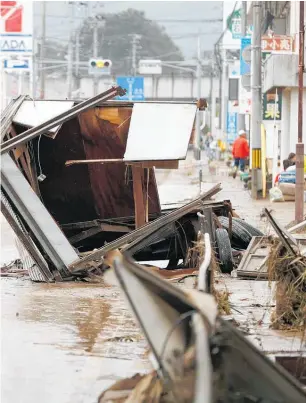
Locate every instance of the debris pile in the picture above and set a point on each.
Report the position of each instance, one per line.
(199, 356)
(13, 269)
(289, 271)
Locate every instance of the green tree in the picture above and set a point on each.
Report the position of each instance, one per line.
(115, 39)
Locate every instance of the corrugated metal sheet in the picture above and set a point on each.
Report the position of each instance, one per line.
(31, 114)
(159, 132)
(29, 264)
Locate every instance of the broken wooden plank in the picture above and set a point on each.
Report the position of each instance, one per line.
(139, 199)
(141, 243)
(143, 164)
(254, 259)
(147, 229)
(297, 227)
(96, 230)
(282, 233)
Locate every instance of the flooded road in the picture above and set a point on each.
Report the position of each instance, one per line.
(65, 343)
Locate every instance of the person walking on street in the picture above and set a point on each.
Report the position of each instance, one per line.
(240, 152)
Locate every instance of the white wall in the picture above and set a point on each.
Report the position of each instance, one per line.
(294, 118)
(160, 87)
(271, 133)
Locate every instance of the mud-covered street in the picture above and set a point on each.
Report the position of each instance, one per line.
(67, 342)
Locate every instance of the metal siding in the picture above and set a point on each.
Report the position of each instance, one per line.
(159, 132)
(48, 234)
(66, 192)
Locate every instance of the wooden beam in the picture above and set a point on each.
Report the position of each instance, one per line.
(96, 230)
(85, 234)
(157, 164)
(171, 164)
(95, 223)
(139, 199)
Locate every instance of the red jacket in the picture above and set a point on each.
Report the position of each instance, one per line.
(240, 148)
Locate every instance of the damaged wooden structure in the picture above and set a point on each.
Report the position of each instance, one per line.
(61, 212)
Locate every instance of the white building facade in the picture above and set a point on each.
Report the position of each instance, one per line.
(281, 71)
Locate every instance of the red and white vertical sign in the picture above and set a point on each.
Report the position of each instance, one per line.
(16, 27)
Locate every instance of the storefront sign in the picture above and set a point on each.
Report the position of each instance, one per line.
(231, 126)
(279, 44)
(272, 105)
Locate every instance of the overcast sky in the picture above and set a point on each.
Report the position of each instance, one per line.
(183, 34)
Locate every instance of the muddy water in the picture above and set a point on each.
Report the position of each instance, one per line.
(65, 343)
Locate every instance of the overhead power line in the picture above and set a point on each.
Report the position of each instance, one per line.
(190, 21)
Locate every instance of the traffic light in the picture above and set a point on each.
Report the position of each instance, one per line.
(100, 66)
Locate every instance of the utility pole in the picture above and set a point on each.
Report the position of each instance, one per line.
(77, 52)
(135, 43)
(42, 51)
(212, 100)
(69, 68)
(299, 186)
(241, 117)
(224, 99)
(198, 118)
(70, 51)
(95, 55)
(256, 97)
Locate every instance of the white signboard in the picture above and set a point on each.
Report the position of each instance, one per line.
(244, 101)
(234, 69)
(150, 67)
(159, 131)
(16, 27)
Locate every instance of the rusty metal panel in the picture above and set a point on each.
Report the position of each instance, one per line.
(159, 132)
(111, 184)
(43, 128)
(84, 193)
(66, 192)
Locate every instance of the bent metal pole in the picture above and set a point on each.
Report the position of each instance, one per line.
(299, 184)
(63, 117)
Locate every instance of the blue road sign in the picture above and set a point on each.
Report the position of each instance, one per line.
(245, 66)
(134, 88)
(23, 64)
(231, 127)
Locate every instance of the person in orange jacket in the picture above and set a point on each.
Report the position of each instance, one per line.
(240, 152)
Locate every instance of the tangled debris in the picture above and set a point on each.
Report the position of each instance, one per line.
(289, 271)
(13, 269)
